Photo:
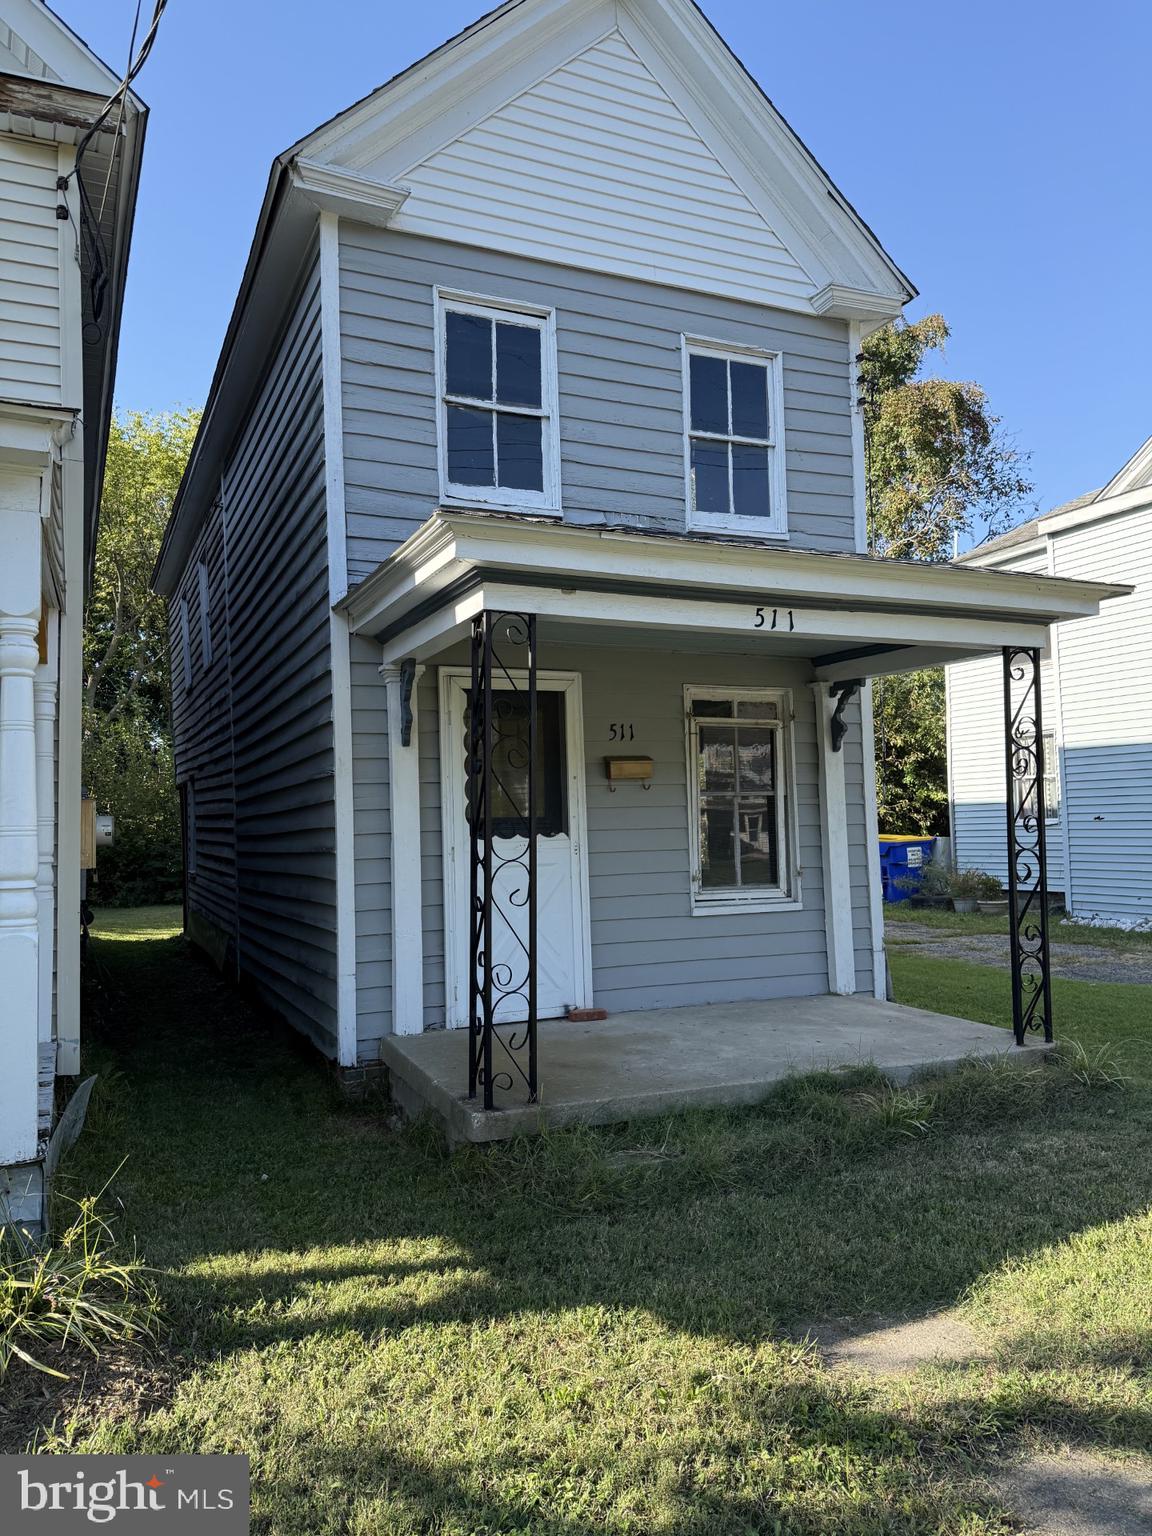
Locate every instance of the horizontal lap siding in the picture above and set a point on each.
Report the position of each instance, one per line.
(30, 359)
(372, 848)
(1107, 720)
(648, 950)
(202, 730)
(277, 662)
(620, 387)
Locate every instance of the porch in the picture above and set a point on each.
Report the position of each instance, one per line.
(638, 1065)
(717, 918)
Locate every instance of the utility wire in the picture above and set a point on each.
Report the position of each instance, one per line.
(91, 237)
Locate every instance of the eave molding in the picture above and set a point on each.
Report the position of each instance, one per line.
(347, 193)
(859, 304)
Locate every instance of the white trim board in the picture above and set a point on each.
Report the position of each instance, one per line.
(454, 831)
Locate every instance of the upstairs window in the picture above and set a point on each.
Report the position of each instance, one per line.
(734, 430)
(496, 376)
(185, 645)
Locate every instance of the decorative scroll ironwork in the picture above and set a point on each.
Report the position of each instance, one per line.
(501, 749)
(1027, 851)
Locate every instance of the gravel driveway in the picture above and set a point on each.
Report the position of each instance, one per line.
(1077, 962)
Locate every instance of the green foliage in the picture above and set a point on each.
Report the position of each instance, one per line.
(76, 1292)
(130, 770)
(127, 748)
(911, 753)
(938, 462)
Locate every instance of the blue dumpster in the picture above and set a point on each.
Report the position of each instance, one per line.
(903, 859)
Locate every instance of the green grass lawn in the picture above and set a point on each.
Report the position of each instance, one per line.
(548, 1337)
(899, 913)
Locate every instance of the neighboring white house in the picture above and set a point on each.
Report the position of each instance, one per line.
(1097, 699)
(64, 235)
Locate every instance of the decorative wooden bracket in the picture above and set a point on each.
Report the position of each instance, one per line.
(407, 678)
(843, 693)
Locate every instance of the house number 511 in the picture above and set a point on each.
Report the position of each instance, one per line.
(773, 618)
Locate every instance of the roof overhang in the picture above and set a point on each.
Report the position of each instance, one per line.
(850, 615)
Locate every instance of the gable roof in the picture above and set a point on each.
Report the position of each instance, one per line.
(1128, 491)
(675, 138)
(34, 41)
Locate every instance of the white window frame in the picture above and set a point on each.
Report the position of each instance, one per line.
(501, 497)
(205, 597)
(1051, 774)
(775, 525)
(787, 896)
(185, 646)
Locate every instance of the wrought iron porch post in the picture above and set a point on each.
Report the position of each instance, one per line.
(502, 935)
(1027, 849)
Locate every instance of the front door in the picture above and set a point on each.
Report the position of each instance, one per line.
(562, 940)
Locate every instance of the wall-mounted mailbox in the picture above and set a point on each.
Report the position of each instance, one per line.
(628, 770)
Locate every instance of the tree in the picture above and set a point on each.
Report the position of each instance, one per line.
(127, 739)
(911, 753)
(938, 461)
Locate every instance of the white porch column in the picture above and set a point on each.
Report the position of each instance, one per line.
(44, 691)
(19, 849)
(404, 821)
(834, 844)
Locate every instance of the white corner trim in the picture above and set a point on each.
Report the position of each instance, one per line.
(330, 330)
(407, 879)
(859, 446)
(345, 837)
(337, 191)
(834, 850)
(872, 843)
(872, 310)
(1054, 721)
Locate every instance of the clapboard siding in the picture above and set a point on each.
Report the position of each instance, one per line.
(977, 773)
(280, 867)
(202, 730)
(30, 340)
(620, 389)
(596, 166)
(648, 949)
(1106, 699)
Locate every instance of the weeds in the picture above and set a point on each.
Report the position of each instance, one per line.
(75, 1291)
(1097, 1067)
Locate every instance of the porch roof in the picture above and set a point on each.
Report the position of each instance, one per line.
(852, 615)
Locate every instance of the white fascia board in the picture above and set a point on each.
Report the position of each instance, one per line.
(346, 193)
(525, 545)
(1136, 474)
(1097, 511)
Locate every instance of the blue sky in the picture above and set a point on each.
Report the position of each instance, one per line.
(1002, 151)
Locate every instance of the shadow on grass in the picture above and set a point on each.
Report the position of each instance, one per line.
(283, 1230)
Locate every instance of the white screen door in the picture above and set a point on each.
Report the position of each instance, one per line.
(562, 942)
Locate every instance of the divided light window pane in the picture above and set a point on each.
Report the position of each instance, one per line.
(710, 475)
(518, 373)
(468, 365)
(520, 451)
(709, 389)
(749, 399)
(750, 493)
(470, 457)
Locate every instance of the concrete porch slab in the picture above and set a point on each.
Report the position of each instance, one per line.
(633, 1065)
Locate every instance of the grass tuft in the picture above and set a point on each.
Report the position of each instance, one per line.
(1091, 1066)
(78, 1291)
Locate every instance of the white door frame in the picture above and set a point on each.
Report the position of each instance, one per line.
(455, 833)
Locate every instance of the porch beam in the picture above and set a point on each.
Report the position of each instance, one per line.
(834, 849)
(406, 872)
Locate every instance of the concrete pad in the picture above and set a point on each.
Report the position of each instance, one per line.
(665, 1059)
(897, 1349)
(1077, 1494)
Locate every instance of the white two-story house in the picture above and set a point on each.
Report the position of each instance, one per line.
(521, 613)
(69, 169)
(1097, 720)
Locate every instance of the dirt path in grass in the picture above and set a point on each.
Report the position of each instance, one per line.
(1077, 962)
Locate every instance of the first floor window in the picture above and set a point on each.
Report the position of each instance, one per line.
(739, 788)
(497, 404)
(735, 453)
(1051, 784)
